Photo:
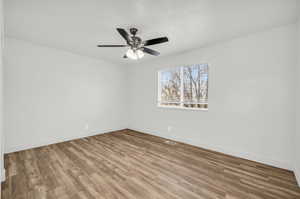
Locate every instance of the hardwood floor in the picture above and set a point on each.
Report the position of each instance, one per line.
(128, 164)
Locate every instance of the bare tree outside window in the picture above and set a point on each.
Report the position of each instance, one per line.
(170, 87)
(195, 83)
(185, 87)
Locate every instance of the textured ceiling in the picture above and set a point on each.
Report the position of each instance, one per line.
(79, 25)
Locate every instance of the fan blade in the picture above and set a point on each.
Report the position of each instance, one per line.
(155, 41)
(150, 51)
(124, 34)
(111, 45)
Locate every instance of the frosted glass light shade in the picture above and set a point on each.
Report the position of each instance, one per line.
(140, 54)
(134, 54)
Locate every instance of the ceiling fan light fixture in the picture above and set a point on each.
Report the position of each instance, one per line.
(131, 54)
(134, 54)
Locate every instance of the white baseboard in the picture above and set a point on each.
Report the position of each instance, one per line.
(236, 153)
(3, 175)
(297, 174)
(11, 149)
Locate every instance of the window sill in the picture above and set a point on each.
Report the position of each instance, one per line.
(182, 108)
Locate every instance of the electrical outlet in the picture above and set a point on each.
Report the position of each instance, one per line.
(170, 128)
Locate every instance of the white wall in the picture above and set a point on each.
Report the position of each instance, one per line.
(251, 98)
(2, 173)
(50, 96)
(297, 138)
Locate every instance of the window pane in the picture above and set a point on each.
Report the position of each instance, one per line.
(195, 86)
(170, 87)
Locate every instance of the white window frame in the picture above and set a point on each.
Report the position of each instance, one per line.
(181, 87)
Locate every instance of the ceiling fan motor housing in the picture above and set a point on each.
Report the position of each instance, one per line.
(133, 31)
(136, 42)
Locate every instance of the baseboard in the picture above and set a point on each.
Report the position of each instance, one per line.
(235, 153)
(3, 176)
(297, 175)
(41, 143)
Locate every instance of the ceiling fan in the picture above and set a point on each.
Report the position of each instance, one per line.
(136, 44)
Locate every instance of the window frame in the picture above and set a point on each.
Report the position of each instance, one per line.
(181, 107)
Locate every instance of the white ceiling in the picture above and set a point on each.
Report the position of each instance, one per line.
(79, 25)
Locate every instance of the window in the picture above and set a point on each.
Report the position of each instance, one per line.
(184, 87)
